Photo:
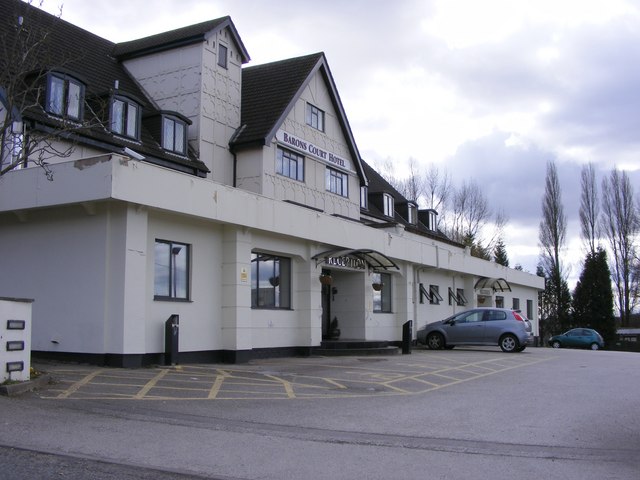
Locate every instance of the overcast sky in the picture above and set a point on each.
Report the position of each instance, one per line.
(489, 90)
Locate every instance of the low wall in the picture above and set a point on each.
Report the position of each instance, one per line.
(15, 339)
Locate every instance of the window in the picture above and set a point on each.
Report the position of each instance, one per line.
(64, 96)
(173, 135)
(529, 309)
(315, 117)
(433, 294)
(412, 213)
(290, 164)
(387, 205)
(381, 292)
(171, 270)
(12, 147)
(499, 301)
(125, 117)
(337, 182)
(270, 281)
(222, 55)
(457, 297)
(364, 197)
(516, 304)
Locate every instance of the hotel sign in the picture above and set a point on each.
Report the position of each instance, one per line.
(346, 261)
(310, 149)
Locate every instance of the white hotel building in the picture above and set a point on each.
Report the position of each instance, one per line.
(220, 194)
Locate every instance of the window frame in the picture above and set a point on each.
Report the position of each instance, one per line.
(457, 297)
(315, 117)
(175, 123)
(125, 124)
(412, 213)
(388, 205)
(336, 182)
(279, 282)
(63, 99)
(364, 197)
(284, 155)
(173, 274)
(223, 56)
(382, 299)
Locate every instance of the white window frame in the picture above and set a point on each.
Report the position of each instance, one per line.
(388, 205)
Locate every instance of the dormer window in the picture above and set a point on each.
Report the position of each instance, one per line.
(364, 197)
(387, 205)
(174, 135)
(64, 96)
(315, 117)
(412, 213)
(125, 117)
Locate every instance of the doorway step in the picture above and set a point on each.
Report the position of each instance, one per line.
(334, 348)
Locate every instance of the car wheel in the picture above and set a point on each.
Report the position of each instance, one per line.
(556, 344)
(435, 341)
(509, 343)
(595, 346)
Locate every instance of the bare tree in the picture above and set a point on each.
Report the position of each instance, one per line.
(470, 211)
(438, 187)
(552, 236)
(621, 225)
(589, 208)
(28, 53)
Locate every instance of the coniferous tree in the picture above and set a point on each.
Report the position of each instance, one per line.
(500, 254)
(593, 297)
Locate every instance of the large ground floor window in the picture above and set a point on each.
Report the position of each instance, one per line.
(381, 292)
(171, 276)
(270, 281)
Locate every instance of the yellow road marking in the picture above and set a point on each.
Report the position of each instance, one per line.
(215, 389)
(287, 385)
(73, 388)
(150, 384)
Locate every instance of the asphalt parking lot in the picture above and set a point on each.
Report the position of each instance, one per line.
(460, 414)
(286, 378)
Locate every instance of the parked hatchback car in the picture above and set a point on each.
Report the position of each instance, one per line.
(479, 326)
(578, 338)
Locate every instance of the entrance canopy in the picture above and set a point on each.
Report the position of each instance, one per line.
(497, 284)
(375, 260)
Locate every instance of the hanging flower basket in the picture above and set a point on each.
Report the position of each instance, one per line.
(326, 279)
(377, 286)
(274, 281)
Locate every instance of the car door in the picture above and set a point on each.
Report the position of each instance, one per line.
(574, 338)
(495, 325)
(467, 327)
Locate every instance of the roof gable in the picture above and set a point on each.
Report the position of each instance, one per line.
(269, 93)
(178, 38)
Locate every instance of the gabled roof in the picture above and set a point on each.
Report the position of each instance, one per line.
(72, 50)
(179, 37)
(269, 93)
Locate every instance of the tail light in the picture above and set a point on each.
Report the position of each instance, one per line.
(518, 317)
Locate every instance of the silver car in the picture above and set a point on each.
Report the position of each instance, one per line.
(507, 328)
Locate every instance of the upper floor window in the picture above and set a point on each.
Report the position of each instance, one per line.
(337, 182)
(125, 117)
(222, 55)
(364, 197)
(64, 96)
(315, 117)
(270, 281)
(412, 213)
(174, 135)
(388, 205)
(290, 164)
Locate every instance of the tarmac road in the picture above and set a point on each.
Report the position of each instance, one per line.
(465, 413)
